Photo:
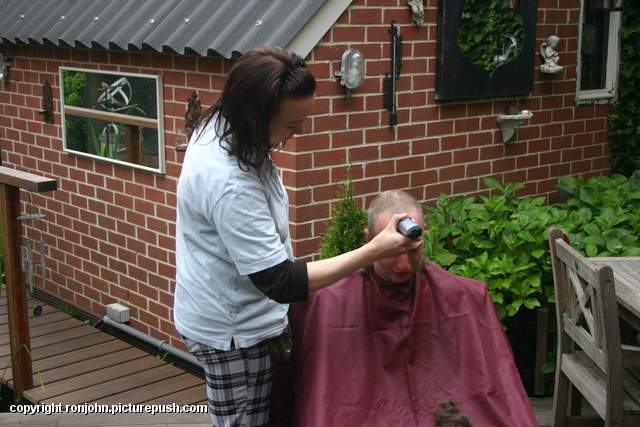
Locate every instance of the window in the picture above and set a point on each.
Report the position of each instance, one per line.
(598, 53)
(116, 117)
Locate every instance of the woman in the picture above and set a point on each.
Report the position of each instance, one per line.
(235, 273)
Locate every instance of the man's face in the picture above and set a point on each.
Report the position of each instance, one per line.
(289, 119)
(399, 269)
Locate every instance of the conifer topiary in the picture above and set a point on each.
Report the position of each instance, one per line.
(346, 229)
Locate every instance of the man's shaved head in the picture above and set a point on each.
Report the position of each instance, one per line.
(393, 202)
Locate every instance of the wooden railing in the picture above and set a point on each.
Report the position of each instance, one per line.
(132, 125)
(11, 181)
(108, 116)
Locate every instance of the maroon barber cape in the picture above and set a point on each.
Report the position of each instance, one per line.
(368, 355)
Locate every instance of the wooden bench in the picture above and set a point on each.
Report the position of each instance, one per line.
(590, 357)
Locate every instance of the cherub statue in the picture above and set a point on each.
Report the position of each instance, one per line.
(549, 52)
(417, 9)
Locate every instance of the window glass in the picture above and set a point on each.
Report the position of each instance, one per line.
(598, 53)
(113, 117)
(594, 49)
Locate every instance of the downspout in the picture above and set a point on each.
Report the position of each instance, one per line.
(160, 344)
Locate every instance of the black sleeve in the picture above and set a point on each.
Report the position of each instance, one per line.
(284, 283)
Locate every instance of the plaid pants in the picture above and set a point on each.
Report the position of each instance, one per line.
(238, 383)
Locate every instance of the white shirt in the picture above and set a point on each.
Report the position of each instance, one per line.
(230, 223)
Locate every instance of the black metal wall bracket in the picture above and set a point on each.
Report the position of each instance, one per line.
(392, 76)
(192, 115)
(191, 120)
(47, 103)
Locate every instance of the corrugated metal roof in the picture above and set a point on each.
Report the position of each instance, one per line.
(204, 26)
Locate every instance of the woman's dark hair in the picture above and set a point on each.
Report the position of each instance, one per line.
(251, 97)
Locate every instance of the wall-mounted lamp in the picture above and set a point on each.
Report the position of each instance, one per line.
(351, 72)
(4, 68)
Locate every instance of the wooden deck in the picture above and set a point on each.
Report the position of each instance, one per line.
(542, 408)
(75, 363)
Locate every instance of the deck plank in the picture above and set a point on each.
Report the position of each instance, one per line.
(77, 363)
(61, 360)
(155, 390)
(38, 331)
(46, 309)
(47, 316)
(113, 359)
(63, 335)
(30, 304)
(81, 354)
(124, 383)
(46, 378)
(62, 347)
(542, 408)
(190, 396)
(89, 379)
(54, 338)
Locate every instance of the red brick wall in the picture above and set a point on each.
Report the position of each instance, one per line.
(110, 229)
(437, 147)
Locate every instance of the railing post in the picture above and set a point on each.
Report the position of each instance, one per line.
(10, 183)
(16, 295)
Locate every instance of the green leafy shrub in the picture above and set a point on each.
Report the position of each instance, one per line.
(502, 240)
(74, 83)
(603, 214)
(498, 239)
(346, 230)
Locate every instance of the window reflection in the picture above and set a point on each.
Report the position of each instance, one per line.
(113, 117)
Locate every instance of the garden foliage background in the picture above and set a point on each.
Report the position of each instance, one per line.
(502, 240)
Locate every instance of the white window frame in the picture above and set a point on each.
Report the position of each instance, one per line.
(609, 92)
(161, 169)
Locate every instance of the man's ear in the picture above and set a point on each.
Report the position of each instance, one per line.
(367, 235)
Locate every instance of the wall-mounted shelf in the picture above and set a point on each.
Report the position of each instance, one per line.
(509, 123)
